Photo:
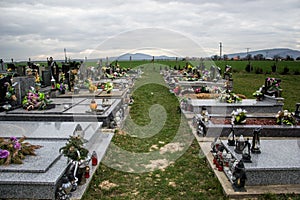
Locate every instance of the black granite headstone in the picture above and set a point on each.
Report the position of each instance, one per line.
(46, 77)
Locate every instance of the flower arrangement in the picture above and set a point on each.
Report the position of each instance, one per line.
(258, 95)
(238, 116)
(74, 149)
(10, 92)
(229, 97)
(108, 87)
(35, 100)
(61, 87)
(274, 84)
(90, 85)
(285, 117)
(13, 151)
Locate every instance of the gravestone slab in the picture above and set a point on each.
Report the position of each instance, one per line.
(24, 84)
(278, 163)
(45, 157)
(39, 176)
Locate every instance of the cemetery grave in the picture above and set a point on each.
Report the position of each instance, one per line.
(72, 114)
(52, 118)
(245, 163)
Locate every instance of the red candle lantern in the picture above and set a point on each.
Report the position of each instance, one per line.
(94, 158)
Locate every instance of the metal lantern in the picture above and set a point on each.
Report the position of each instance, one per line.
(79, 131)
(231, 137)
(239, 175)
(256, 141)
(53, 83)
(203, 110)
(66, 187)
(246, 157)
(240, 145)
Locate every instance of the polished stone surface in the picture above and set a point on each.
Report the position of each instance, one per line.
(45, 157)
(278, 163)
(38, 177)
(42, 130)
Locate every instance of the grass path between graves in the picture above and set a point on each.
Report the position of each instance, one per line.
(158, 164)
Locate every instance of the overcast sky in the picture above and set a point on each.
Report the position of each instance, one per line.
(38, 29)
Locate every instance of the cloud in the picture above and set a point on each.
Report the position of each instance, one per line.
(36, 28)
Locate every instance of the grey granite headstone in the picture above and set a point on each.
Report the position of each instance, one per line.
(24, 84)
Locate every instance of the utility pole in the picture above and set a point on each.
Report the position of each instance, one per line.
(220, 50)
(248, 57)
(248, 51)
(65, 50)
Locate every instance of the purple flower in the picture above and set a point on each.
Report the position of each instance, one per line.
(4, 153)
(17, 145)
(13, 139)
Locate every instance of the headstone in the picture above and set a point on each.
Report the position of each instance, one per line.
(21, 70)
(46, 77)
(24, 84)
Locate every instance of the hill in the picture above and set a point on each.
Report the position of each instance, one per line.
(269, 53)
(141, 56)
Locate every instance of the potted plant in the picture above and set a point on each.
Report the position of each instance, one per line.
(285, 118)
(238, 116)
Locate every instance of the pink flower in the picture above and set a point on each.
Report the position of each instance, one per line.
(13, 139)
(4, 153)
(17, 145)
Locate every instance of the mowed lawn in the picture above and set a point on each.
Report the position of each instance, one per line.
(187, 177)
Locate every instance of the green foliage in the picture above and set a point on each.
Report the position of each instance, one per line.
(74, 149)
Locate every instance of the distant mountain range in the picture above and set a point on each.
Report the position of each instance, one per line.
(269, 53)
(141, 56)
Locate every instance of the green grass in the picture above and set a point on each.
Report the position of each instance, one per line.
(188, 177)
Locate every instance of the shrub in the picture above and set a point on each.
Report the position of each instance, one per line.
(258, 70)
(296, 72)
(273, 68)
(249, 68)
(285, 70)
